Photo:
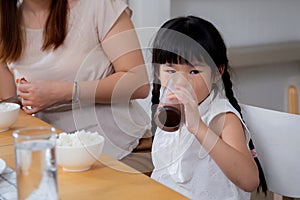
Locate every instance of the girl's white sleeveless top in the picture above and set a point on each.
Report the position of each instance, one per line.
(182, 164)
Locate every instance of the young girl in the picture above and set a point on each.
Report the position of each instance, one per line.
(208, 157)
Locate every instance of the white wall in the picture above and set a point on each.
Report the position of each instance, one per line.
(266, 86)
(242, 23)
(246, 22)
(149, 13)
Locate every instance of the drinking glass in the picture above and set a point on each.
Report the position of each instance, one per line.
(169, 115)
(36, 163)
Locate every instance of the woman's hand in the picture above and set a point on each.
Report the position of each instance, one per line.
(41, 94)
(191, 112)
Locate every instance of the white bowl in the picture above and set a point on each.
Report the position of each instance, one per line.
(77, 159)
(8, 115)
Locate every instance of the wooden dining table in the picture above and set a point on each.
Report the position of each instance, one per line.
(107, 178)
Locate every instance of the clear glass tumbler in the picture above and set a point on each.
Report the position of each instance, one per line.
(170, 113)
(36, 163)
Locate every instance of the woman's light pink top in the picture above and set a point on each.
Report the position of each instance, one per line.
(82, 58)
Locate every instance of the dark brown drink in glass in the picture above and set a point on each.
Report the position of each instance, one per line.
(168, 118)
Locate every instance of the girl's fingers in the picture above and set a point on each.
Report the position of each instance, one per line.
(183, 95)
(177, 96)
(188, 91)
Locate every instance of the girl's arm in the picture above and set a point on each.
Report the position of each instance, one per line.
(7, 83)
(229, 150)
(224, 139)
(130, 80)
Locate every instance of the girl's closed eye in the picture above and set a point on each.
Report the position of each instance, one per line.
(170, 71)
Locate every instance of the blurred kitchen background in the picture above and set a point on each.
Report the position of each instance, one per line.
(263, 38)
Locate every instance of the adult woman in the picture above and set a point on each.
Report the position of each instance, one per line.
(80, 54)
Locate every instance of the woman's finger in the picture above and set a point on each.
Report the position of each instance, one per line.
(26, 102)
(30, 110)
(23, 95)
(24, 87)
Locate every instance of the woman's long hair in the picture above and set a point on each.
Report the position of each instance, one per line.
(171, 47)
(12, 41)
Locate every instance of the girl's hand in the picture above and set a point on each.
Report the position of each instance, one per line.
(191, 112)
(39, 95)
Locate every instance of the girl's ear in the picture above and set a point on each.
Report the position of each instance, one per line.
(220, 72)
(221, 69)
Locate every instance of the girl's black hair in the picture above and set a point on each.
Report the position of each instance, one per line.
(175, 43)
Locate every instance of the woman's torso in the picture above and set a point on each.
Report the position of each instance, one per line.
(82, 58)
(79, 58)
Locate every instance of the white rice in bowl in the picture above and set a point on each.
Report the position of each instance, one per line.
(5, 107)
(79, 139)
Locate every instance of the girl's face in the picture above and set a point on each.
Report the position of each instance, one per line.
(198, 76)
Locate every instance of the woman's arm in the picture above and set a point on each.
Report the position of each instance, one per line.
(7, 83)
(122, 47)
(130, 80)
